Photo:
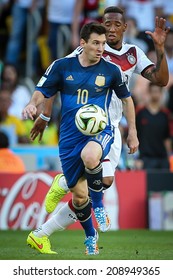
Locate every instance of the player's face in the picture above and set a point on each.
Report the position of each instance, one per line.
(115, 27)
(94, 47)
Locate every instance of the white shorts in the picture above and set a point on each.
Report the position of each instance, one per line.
(110, 162)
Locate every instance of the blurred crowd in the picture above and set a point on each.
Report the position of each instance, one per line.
(33, 33)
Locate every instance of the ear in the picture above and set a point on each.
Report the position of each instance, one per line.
(82, 42)
(125, 27)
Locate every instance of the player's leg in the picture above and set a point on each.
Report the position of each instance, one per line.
(39, 238)
(59, 185)
(82, 208)
(110, 162)
(109, 168)
(74, 170)
(96, 149)
(57, 191)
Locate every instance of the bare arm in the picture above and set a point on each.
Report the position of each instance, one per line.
(129, 112)
(159, 73)
(31, 109)
(40, 124)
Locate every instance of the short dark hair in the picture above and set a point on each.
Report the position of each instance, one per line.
(4, 142)
(92, 27)
(114, 9)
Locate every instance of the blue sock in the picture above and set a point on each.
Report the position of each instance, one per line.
(94, 179)
(84, 215)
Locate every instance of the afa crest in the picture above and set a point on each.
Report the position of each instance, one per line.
(100, 81)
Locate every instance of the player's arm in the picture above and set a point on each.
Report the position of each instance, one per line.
(129, 113)
(30, 109)
(158, 73)
(41, 123)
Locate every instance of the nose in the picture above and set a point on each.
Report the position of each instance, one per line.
(101, 48)
(112, 28)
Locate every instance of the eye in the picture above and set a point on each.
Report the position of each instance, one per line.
(107, 24)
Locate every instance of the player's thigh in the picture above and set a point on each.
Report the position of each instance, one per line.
(115, 151)
(105, 139)
(111, 161)
(72, 166)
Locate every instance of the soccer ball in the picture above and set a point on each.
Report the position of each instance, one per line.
(91, 119)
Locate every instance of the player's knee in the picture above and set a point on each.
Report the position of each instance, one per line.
(80, 196)
(78, 201)
(107, 181)
(90, 160)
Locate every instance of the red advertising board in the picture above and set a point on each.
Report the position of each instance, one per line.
(22, 200)
(132, 193)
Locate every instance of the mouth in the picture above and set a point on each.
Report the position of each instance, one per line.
(111, 37)
(98, 55)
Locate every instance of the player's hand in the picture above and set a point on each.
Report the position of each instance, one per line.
(160, 33)
(38, 129)
(29, 112)
(132, 142)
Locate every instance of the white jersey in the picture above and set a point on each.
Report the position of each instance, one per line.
(131, 59)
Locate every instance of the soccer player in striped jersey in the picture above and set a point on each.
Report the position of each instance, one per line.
(85, 78)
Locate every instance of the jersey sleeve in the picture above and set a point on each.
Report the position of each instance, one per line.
(51, 81)
(119, 85)
(142, 61)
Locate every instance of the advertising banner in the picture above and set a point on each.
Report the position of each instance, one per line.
(22, 200)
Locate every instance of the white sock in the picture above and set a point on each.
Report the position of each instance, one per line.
(63, 184)
(59, 221)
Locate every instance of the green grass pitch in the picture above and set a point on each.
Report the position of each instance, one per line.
(114, 245)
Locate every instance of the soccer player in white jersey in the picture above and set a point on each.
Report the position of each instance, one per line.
(131, 59)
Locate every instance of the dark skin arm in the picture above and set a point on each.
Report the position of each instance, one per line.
(158, 74)
(38, 104)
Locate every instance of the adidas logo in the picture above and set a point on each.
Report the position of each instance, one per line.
(108, 58)
(70, 78)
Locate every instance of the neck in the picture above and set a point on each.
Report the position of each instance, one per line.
(116, 46)
(154, 107)
(85, 61)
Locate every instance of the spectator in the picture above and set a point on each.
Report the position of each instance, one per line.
(61, 15)
(86, 11)
(169, 56)
(9, 162)
(144, 12)
(152, 122)
(20, 94)
(26, 14)
(5, 13)
(10, 122)
(132, 35)
(168, 12)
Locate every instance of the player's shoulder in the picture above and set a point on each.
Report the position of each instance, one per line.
(111, 68)
(127, 46)
(76, 52)
(58, 64)
(109, 63)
